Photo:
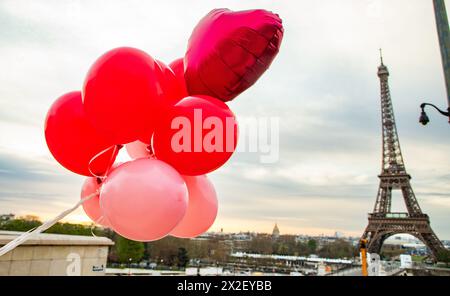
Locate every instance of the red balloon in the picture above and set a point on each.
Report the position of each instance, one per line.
(174, 87)
(198, 136)
(123, 94)
(228, 51)
(107, 156)
(177, 67)
(173, 92)
(73, 141)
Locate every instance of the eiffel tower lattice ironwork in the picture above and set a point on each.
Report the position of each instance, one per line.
(382, 222)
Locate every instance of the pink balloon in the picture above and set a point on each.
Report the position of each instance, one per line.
(144, 199)
(202, 208)
(115, 166)
(138, 149)
(92, 206)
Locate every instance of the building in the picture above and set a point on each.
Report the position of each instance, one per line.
(275, 232)
(339, 234)
(6, 217)
(55, 254)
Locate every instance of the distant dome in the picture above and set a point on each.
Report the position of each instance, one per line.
(275, 231)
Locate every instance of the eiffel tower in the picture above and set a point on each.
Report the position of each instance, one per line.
(382, 222)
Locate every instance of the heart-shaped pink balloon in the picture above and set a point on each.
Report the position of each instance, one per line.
(228, 51)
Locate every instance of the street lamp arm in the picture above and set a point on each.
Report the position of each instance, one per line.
(423, 119)
(439, 110)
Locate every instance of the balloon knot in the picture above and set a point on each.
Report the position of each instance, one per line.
(150, 149)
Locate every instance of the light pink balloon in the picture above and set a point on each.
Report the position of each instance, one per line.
(144, 199)
(202, 208)
(92, 206)
(137, 149)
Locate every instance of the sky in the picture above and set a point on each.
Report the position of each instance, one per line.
(322, 86)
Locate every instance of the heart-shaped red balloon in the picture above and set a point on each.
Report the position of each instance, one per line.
(228, 51)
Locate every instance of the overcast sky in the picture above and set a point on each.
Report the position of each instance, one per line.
(323, 86)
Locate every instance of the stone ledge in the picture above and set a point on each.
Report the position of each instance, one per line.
(50, 239)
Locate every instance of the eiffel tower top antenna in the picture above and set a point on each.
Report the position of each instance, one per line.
(381, 56)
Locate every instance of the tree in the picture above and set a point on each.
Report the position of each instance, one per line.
(301, 249)
(218, 251)
(19, 224)
(165, 250)
(28, 222)
(75, 229)
(285, 245)
(261, 245)
(127, 249)
(337, 249)
(182, 257)
(443, 256)
(312, 246)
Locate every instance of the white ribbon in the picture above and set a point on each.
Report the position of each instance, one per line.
(31, 233)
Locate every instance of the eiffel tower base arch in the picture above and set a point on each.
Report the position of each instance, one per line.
(380, 228)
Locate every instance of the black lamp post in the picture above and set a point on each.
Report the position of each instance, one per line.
(444, 44)
(129, 265)
(423, 119)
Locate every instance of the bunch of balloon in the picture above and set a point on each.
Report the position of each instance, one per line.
(173, 121)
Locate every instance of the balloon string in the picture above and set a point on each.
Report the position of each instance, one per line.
(33, 232)
(100, 219)
(112, 159)
(110, 162)
(92, 230)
